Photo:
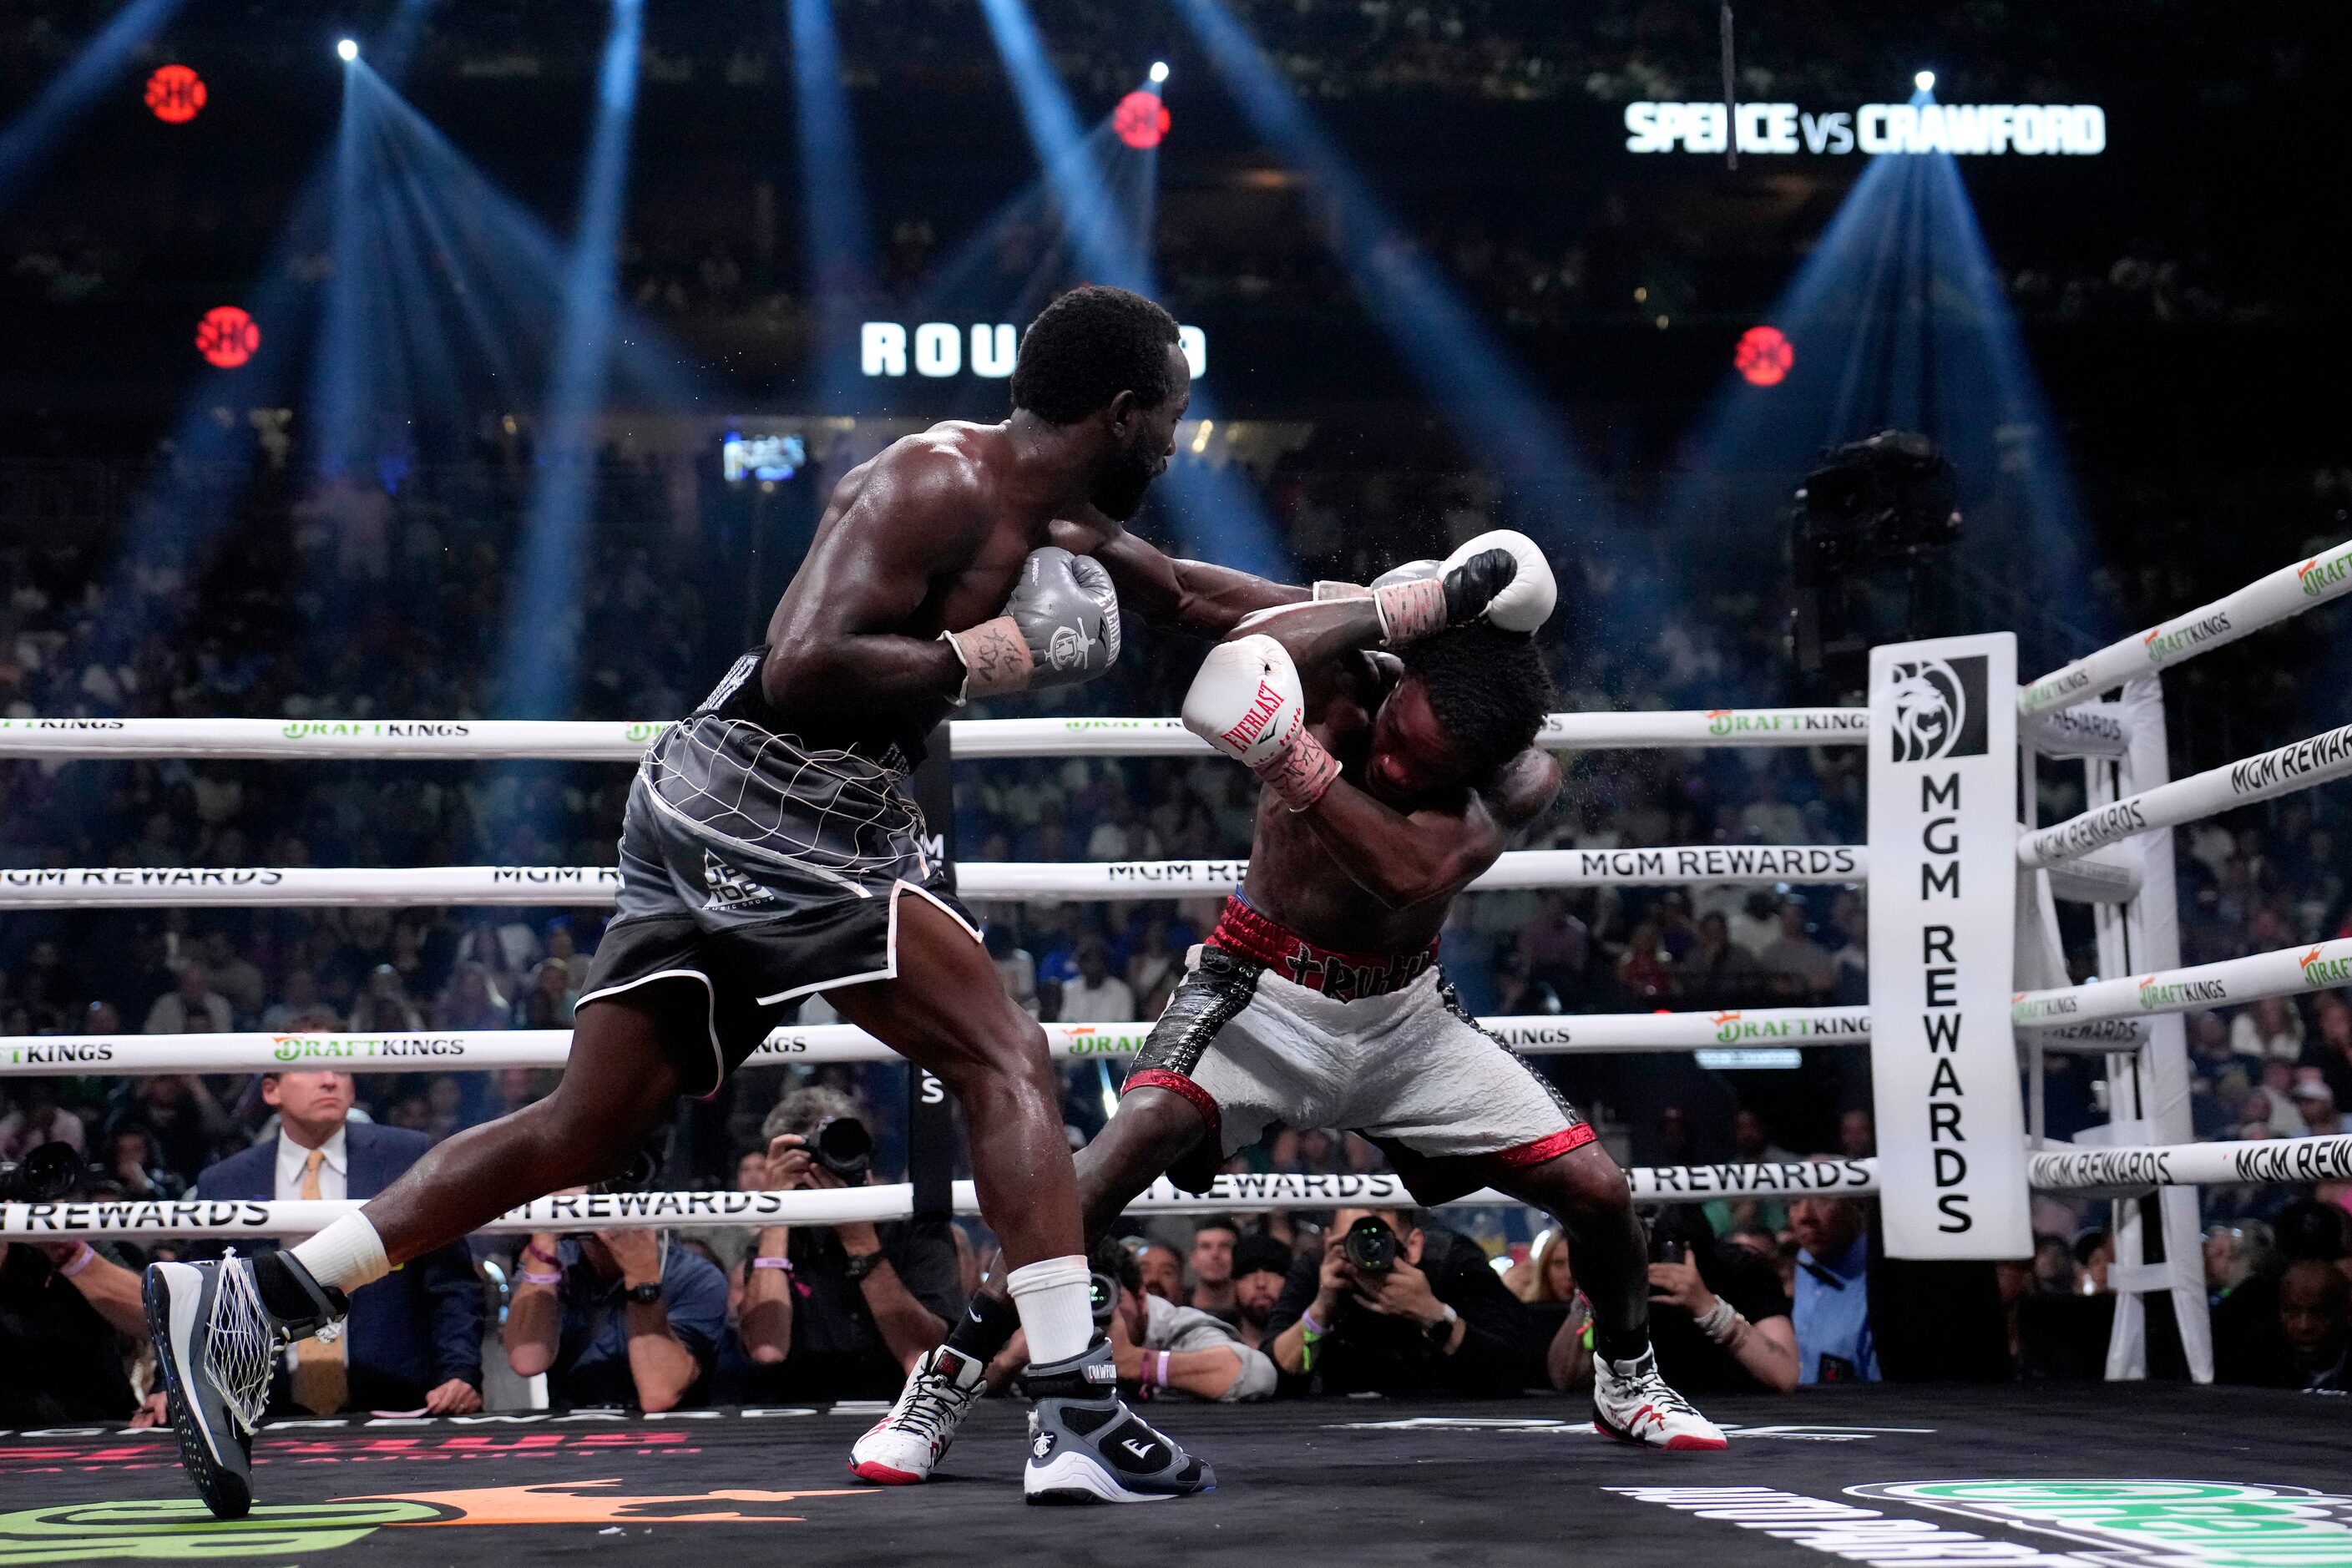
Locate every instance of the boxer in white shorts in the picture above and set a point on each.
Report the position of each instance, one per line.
(1393, 729)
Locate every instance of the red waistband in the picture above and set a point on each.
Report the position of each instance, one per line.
(1249, 934)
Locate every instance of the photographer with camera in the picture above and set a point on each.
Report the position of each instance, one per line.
(1163, 1349)
(1717, 1316)
(65, 1309)
(616, 1316)
(1394, 1305)
(839, 1312)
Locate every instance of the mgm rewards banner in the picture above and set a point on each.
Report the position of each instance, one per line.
(1943, 890)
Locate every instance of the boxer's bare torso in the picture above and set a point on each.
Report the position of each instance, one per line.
(1301, 879)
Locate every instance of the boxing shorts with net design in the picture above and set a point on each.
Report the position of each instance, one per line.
(764, 868)
(1268, 1027)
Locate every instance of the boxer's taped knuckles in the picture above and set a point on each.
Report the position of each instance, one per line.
(1246, 700)
(1411, 610)
(1301, 771)
(1525, 602)
(996, 657)
(1410, 572)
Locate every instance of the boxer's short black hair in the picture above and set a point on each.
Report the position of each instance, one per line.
(1087, 347)
(1487, 687)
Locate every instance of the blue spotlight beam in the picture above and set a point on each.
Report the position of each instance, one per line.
(541, 655)
(1217, 516)
(838, 231)
(1899, 318)
(34, 134)
(186, 507)
(446, 298)
(1063, 151)
(1502, 417)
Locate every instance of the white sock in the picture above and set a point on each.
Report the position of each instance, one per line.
(1055, 1298)
(345, 1256)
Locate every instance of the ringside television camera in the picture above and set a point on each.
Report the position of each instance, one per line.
(1869, 509)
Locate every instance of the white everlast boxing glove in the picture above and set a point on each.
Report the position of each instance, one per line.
(1247, 704)
(1059, 627)
(1500, 576)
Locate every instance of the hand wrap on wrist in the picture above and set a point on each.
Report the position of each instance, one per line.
(995, 658)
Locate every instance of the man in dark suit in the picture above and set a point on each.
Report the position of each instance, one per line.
(414, 1338)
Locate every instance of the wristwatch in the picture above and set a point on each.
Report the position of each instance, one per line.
(860, 1265)
(1443, 1330)
(647, 1294)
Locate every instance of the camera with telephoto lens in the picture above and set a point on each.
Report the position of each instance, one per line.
(47, 1173)
(843, 1146)
(1370, 1246)
(640, 1171)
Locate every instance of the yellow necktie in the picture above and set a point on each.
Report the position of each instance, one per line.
(321, 1379)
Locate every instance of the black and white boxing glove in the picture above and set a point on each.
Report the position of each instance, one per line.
(1500, 577)
(1059, 627)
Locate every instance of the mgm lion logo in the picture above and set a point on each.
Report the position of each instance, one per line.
(1937, 709)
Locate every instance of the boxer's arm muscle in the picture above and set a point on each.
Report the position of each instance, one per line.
(1403, 860)
(831, 649)
(1162, 590)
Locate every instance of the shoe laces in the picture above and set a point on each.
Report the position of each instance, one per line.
(1653, 1390)
(931, 1399)
(241, 1343)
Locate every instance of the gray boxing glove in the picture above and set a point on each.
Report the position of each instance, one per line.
(1059, 627)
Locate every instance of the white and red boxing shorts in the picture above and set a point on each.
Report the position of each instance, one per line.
(1268, 1027)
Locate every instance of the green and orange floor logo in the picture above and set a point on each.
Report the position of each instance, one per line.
(88, 1531)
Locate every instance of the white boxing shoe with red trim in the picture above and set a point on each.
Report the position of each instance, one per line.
(901, 1448)
(1632, 1403)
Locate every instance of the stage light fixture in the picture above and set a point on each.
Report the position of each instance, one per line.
(227, 336)
(1924, 81)
(174, 94)
(1140, 120)
(1159, 71)
(1764, 356)
(348, 51)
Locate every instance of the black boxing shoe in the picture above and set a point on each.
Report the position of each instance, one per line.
(1086, 1446)
(216, 1340)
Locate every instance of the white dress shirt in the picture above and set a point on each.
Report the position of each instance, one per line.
(333, 1171)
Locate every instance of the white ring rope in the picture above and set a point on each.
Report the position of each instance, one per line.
(2086, 730)
(983, 881)
(2282, 595)
(132, 1218)
(427, 739)
(2287, 971)
(2266, 775)
(2072, 1170)
(483, 1051)
(2327, 1159)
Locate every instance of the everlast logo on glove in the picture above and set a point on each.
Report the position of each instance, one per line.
(1246, 733)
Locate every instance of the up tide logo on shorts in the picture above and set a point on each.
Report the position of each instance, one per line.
(1939, 708)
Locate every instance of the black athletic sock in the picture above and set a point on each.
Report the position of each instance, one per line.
(285, 1288)
(987, 1326)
